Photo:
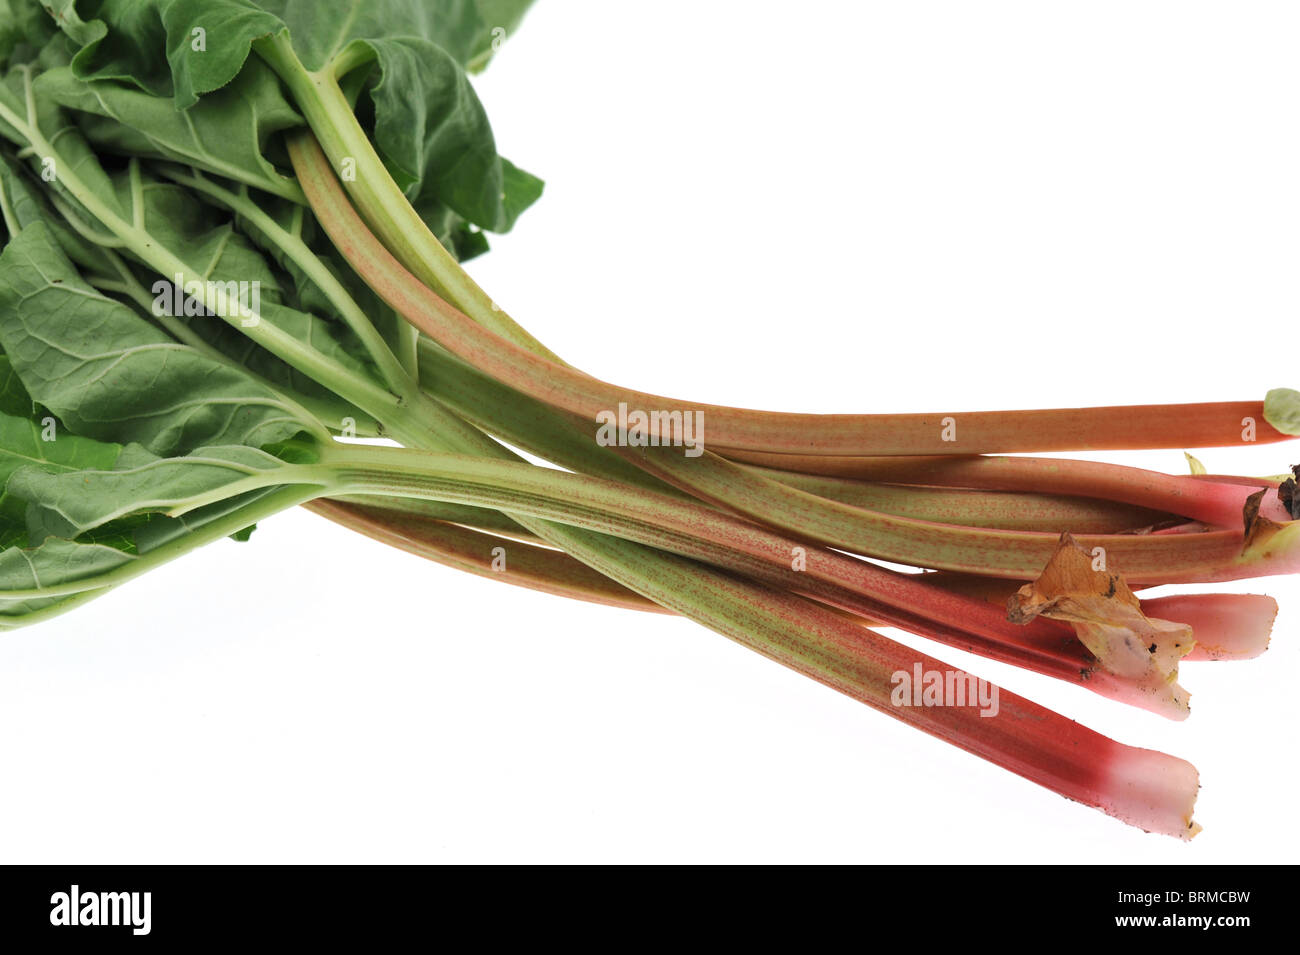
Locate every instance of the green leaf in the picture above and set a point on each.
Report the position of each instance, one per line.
(25, 442)
(519, 190)
(14, 399)
(1282, 410)
(429, 125)
(69, 504)
(321, 29)
(52, 563)
(24, 29)
(203, 236)
(30, 205)
(498, 21)
(109, 374)
(126, 41)
(226, 133)
(69, 21)
(437, 142)
(51, 120)
(67, 573)
(208, 43)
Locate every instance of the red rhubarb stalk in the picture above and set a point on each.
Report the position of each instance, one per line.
(1143, 788)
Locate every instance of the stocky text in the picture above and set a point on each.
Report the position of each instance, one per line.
(943, 688)
(242, 300)
(75, 907)
(642, 429)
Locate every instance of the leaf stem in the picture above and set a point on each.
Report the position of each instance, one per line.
(383, 203)
(391, 370)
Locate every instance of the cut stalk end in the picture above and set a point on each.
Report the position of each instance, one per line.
(1166, 699)
(1226, 626)
(1151, 790)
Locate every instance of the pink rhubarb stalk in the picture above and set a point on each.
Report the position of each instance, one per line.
(1143, 788)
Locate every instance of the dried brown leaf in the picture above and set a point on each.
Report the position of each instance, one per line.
(1141, 651)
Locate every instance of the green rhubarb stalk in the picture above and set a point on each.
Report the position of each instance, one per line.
(1144, 558)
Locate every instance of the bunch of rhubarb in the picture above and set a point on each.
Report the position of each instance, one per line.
(233, 242)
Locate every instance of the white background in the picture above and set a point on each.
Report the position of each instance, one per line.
(825, 206)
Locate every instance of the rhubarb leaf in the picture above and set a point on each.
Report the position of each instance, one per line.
(442, 146)
(14, 399)
(27, 443)
(28, 205)
(24, 29)
(227, 133)
(124, 41)
(468, 31)
(498, 20)
(109, 374)
(74, 153)
(63, 504)
(428, 124)
(203, 236)
(50, 564)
